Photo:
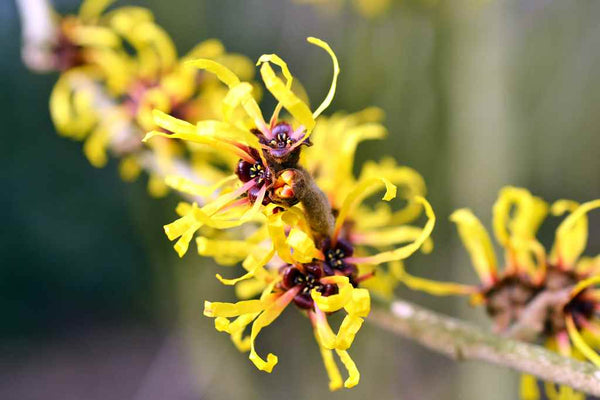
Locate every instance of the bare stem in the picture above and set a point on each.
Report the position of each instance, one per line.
(463, 341)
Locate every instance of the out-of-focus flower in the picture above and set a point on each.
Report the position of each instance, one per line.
(553, 293)
(107, 99)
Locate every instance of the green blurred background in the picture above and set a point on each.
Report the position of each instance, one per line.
(95, 303)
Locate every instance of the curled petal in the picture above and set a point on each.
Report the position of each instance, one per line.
(230, 79)
(580, 343)
(303, 245)
(252, 264)
(357, 195)
(353, 374)
(528, 215)
(289, 79)
(406, 251)
(266, 318)
(337, 301)
(336, 70)
(584, 284)
(391, 236)
(296, 107)
(571, 235)
(477, 242)
(348, 330)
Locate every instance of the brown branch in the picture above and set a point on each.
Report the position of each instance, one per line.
(462, 341)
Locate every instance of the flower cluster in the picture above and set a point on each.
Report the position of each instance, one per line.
(290, 210)
(539, 295)
(279, 196)
(116, 68)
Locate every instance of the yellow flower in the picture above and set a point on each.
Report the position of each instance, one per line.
(263, 150)
(314, 294)
(107, 98)
(569, 326)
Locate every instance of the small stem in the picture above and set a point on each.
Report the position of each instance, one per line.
(463, 341)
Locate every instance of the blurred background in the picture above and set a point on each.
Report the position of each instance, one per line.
(95, 303)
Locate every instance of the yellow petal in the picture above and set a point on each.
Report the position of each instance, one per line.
(91, 9)
(336, 70)
(210, 48)
(406, 251)
(391, 236)
(337, 301)
(357, 195)
(348, 330)
(252, 264)
(227, 310)
(325, 334)
(129, 169)
(579, 343)
(186, 186)
(296, 107)
(529, 213)
(275, 59)
(303, 245)
(528, 388)
(360, 305)
(571, 235)
(333, 373)
(266, 318)
(477, 242)
(436, 288)
(353, 374)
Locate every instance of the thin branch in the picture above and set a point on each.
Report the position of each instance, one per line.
(463, 341)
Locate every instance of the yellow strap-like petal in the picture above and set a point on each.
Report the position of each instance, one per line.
(477, 242)
(529, 213)
(584, 284)
(303, 245)
(360, 305)
(579, 343)
(336, 70)
(326, 337)
(184, 185)
(289, 79)
(91, 9)
(337, 301)
(266, 318)
(406, 251)
(571, 235)
(353, 374)
(357, 195)
(528, 388)
(436, 288)
(252, 264)
(209, 48)
(333, 372)
(391, 236)
(348, 330)
(296, 107)
(227, 310)
(230, 79)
